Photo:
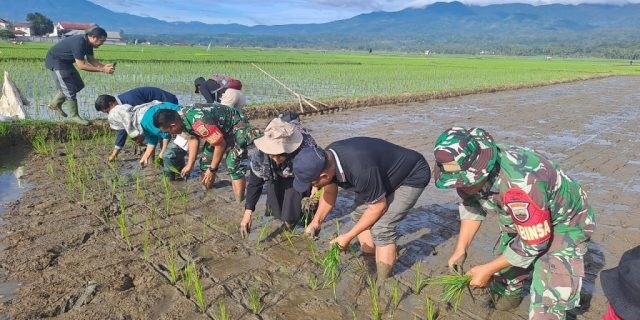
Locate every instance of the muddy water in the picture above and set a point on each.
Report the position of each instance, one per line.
(12, 185)
(60, 245)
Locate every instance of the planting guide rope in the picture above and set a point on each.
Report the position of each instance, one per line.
(301, 98)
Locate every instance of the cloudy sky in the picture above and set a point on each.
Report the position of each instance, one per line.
(253, 12)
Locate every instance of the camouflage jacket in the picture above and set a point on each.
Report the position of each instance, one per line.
(542, 210)
(211, 121)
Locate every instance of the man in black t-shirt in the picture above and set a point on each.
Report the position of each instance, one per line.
(387, 179)
(60, 59)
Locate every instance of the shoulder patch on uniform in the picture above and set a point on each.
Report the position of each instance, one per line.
(532, 222)
(520, 211)
(202, 130)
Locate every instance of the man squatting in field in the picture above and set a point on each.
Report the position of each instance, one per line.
(223, 128)
(545, 220)
(137, 96)
(137, 121)
(59, 61)
(387, 179)
(272, 164)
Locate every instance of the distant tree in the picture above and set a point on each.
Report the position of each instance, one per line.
(6, 34)
(40, 23)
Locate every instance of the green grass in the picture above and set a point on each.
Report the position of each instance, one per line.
(330, 265)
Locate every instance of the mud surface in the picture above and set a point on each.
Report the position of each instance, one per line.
(73, 261)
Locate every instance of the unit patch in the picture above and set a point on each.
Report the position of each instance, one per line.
(519, 210)
(532, 223)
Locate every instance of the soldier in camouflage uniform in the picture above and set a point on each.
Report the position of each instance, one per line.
(225, 130)
(545, 220)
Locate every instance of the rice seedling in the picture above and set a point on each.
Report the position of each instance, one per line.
(167, 194)
(223, 314)
(429, 310)
(262, 235)
(313, 282)
(50, 169)
(39, 143)
(193, 285)
(254, 300)
(395, 294)
(289, 234)
(373, 296)
(330, 264)
(122, 221)
(421, 281)
(453, 286)
(315, 257)
(172, 267)
(145, 239)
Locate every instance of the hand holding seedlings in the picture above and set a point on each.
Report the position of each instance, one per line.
(342, 241)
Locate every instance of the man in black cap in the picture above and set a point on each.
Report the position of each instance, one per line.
(621, 285)
(387, 179)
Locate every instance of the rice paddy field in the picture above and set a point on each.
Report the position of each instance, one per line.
(324, 75)
(82, 238)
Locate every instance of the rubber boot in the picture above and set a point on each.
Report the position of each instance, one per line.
(73, 112)
(383, 271)
(56, 104)
(506, 303)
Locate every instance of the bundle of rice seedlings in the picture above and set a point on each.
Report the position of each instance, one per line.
(330, 264)
(453, 286)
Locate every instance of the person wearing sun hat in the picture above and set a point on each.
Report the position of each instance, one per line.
(271, 164)
(545, 220)
(387, 180)
(621, 286)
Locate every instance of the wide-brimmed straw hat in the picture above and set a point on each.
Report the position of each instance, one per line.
(279, 137)
(463, 157)
(621, 285)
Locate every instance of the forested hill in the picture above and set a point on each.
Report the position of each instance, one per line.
(586, 29)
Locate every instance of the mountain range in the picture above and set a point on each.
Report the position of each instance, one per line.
(449, 26)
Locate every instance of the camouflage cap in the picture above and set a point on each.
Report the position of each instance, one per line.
(463, 157)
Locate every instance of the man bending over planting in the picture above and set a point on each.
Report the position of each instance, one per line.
(545, 220)
(225, 130)
(137, 96)
(387, 179)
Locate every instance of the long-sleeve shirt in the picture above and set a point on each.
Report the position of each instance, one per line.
(550, 213)
(139, 96)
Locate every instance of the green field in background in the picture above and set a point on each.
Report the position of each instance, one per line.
(317, 74)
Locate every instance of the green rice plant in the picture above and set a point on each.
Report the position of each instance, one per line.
(395, 294)
(39, 143)
(50, 169)
(172, 267)
(5, 128)
(167, 194)
(453, 286)
(254, 301)
(262, 235)
(315, 257)
(429, 310)
(122, 224)
(74, 136)
(83, 192)
(313, 282)
(421, 281)
(223, 314)
(289, 234)
(145, 239)
(193, 285)
(330, 264)
(373, 296)
(139, 192)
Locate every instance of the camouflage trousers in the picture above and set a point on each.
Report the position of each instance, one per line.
(173, 160)
(556, 280)
(242, 137)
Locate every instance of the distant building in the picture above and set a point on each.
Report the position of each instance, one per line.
(4, 24)
(113, 37)
(22, 29)
(62, 27)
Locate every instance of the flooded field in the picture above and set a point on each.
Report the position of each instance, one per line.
(111, 243)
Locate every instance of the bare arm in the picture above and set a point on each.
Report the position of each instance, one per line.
(373, 212)
(165, 143)
(91, 67)
(468, 230)
(325, 205)
(192, 152)
(218, 151)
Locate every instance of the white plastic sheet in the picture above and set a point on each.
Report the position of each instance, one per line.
(11, 103)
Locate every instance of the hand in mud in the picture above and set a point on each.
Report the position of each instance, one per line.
(342, 241)
(144, 162)
(111, 158)
(245, 224)
(186, 171)
(456, 262)
(480, 276)
(312, 230)
(208, 178)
